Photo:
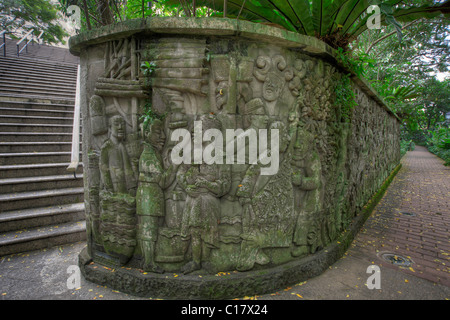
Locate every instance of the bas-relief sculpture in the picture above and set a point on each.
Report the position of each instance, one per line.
(146, 212)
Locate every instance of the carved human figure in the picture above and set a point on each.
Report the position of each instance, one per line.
(255, 118)
(268, 207)
(115, 164)
(117, 197)
(150, 202)
(204, 185)
(307, 176)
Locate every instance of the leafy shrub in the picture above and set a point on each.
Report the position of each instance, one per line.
(406, 145)
(438, 142)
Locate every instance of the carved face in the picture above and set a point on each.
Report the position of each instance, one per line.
(293, 116)
(259, 121)
(118, 128)
(272, 87)
(283, 134)
(221, 95)
(156, 136)
(303, 145)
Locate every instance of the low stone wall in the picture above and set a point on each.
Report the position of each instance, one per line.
(157, 91)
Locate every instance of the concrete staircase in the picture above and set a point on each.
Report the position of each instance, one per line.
(41, 204)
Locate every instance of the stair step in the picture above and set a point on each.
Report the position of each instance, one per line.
(12, 136)
(42, 198)
(35, 119)
(40, 91)
(38, 52)
(35, 217)
(31, 105)
(10, 74)
(23, 61)
(31, 127)
(35, 146)
(21, 184)
(39, 169)
(38, 82)
(40, 96)
(36, 112)
(48, 86)
(22, 65)
(35, 73)
(36, 99)
(41, 203)
(34, 157)
(42, 237)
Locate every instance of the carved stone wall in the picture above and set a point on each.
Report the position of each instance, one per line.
(146, 212)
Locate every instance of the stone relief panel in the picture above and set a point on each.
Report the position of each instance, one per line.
(114, 148)
(148, 211)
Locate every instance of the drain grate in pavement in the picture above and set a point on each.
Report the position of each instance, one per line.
(396, 259)
(408, 213)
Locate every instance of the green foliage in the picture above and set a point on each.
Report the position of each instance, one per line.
(26, 15)
(345, 97)
(402, 93)
(149, 115)
(405, 146)
(359, 64)
(405, 74)
(337, 22)
(147, 68)
(444, 154)
(439, 138)
(97, 13)
(439, 143)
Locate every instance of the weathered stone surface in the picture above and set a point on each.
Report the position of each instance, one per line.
(269, 215)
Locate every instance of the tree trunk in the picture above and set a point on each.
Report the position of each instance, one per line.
(86, 13)
(105, 12)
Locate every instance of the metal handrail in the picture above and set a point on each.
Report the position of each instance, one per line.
(75, 157)
(26, 45)
(39, 37)
(3, 34)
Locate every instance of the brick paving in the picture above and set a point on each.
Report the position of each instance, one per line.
(413, 219)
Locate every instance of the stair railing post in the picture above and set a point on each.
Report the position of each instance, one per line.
(75, 156)
(3, 33)
(38, 40)
(25, 37)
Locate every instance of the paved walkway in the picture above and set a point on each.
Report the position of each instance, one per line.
(421, 188)
(413, 219)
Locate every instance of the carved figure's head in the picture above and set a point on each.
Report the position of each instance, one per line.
(304, 144)
(155, 135)
(255, 114)
(272, 87)
(284, 137)
(117, 127)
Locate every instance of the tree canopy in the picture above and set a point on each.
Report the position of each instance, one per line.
(21, 16)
